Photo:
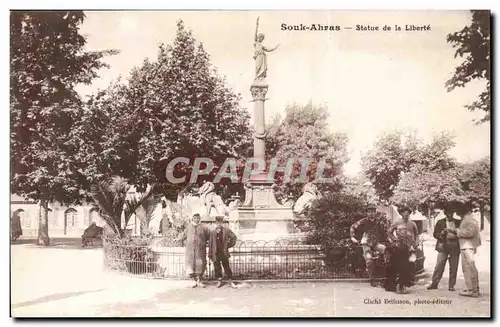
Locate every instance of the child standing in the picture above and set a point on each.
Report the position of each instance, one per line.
(221, 239)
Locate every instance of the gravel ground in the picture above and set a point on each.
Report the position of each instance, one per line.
(66, 281)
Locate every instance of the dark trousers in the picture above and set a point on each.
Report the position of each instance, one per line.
(452, 255)
(222, 262)
(399, 271)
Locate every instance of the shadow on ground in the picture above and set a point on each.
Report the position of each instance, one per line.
(58, 243)
(51, 297)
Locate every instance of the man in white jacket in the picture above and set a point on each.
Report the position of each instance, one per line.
(469, 239)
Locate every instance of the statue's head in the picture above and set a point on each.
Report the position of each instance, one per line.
(260, 37)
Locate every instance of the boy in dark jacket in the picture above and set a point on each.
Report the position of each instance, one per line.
(221, 239)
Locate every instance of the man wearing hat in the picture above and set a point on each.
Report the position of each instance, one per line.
(370, 229)
(196, 236)
(469, 239)
(221, 239)
(448, 249)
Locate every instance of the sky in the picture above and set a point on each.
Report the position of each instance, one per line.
(371, 81)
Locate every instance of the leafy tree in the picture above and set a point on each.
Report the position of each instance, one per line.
(473, 44)
(303, 133)
(384, 163)
(175, 106)
(395, 153)
(475, 178)
(423, 187)
(47, 60)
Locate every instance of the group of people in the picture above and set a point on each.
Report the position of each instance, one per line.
(399, 252)
(219, 239)
(454, 237)
(396, 247)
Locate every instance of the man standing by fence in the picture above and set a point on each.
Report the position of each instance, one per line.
(221, 239)
(370, 229)
(196, 236)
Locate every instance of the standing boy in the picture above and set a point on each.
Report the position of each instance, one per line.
(221, 239)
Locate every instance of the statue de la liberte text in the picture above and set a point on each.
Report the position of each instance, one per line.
(358, 27)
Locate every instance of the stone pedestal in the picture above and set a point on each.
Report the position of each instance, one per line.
(259, 91)
(261, 217)
(262, 214)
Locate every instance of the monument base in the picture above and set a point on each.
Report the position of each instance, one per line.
(264, 224)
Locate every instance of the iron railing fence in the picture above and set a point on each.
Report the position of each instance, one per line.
(282, 259)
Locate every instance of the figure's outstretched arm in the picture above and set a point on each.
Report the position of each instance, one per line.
(256, 29)
(271, 49)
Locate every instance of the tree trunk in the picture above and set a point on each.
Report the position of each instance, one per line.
(430, 228)
(481, 210)
(43, 225)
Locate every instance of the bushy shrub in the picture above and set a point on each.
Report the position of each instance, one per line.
(331, 219)
(179, 221)
(132, 254)
(169, 238)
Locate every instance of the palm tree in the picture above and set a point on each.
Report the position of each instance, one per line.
(146, 211)
(110, 198)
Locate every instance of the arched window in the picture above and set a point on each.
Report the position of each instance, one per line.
(71, 217)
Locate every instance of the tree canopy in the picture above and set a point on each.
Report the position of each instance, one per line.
(396, 152)
(422, 187)
(304, 133)
(175, 106)
(473, 44)
(47, 61)
(475, 178)
(464, 183)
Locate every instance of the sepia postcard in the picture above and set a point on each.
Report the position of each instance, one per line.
(250, 164)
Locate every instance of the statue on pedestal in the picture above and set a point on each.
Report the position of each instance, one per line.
(210, 199)
(260, 55)
(304, 202)
(235, 202)
(206, 193)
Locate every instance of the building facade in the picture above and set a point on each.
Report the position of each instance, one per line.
(68, 221)
(63, 221)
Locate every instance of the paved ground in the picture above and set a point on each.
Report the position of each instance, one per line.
(67, 281)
